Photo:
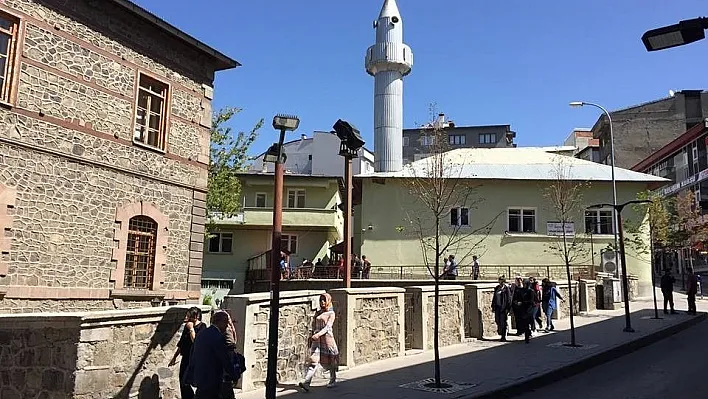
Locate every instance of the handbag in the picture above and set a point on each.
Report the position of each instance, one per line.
(238, 362)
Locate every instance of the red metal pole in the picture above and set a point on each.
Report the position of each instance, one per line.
(347, 222)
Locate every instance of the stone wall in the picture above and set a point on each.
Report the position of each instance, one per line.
(563, 308)
(588, 296)
(116, 354)
(370, 322)
(479, 318)
(420, 316)
(67, 151)
(251, 313)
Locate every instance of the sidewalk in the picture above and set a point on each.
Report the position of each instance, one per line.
(481, 369)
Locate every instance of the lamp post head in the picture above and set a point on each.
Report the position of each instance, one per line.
(351, 140)
(685, 32)
(272, 154)
(576, 104)
(286, 122)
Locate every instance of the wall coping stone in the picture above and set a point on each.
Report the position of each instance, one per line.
(265, 296)
(481, 285)
(88, 319)
(431, 288)
(367, 291)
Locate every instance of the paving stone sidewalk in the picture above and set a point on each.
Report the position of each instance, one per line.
(488, 368)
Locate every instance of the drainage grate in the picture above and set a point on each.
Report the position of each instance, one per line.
(448, 386)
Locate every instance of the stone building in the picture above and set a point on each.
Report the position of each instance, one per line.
(643, 129)
(104, 147)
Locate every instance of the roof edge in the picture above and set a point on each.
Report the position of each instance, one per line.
(223, 61)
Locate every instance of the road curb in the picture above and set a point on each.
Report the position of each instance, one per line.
(553, 376)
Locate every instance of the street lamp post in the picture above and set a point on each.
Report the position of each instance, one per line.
(685, 32)
(275, 154)
(349, 149)
(625, 280)
(612, 159)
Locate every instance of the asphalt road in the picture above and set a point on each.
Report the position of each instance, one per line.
(671, 368)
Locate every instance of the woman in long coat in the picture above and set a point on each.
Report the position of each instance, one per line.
(323, 349)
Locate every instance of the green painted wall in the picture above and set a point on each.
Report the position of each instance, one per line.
(386, 206)
(320, 192)
(317, 226)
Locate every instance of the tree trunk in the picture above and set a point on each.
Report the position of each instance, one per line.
(570, 289)
(436, 346)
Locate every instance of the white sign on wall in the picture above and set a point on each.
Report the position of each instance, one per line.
(556, 229)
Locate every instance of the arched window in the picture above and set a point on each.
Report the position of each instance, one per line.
(140, 253)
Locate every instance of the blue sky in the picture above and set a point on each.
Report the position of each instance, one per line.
(515, 62)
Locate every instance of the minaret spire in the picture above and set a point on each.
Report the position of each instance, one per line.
(388, 61)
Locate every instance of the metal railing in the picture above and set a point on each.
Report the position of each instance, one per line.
(488, 272)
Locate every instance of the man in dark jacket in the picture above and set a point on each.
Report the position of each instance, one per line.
(691, 290)
(667, 290)
(523, 306)
(210, 359)
(501, 305)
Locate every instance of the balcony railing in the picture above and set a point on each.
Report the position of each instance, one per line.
(292, 217)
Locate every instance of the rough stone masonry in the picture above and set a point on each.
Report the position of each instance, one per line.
(72, 175)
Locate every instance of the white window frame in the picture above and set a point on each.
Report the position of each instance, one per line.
(596, 216)
(296, 203)
(220, 236)
(427, 140)
(141, 123)
(694, 151)
(406, 141)
(289, 238)
(265, 200)
(459, 216)
(457, 139)
(487, 138)
(521, 210)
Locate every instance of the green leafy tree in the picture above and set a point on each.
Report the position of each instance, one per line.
(228, 155)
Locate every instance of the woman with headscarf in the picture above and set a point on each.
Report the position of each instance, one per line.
(192, 326)
(323, 347)
(523, 303)
(550, 303)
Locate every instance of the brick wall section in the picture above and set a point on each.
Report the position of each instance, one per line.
(196, 245)
(7, 202)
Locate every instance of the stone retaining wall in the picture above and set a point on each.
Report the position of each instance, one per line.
(251, 313)
(370, 324)
(479, 318)
(110, 354)
(420, 317)
(588, 296)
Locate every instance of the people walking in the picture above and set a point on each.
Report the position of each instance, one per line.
(210, 359)
(367, 266)
(691, 290)
(192, 326)
(536, 312)
(517, 286)
(475, 268)
(523, 301)
(667, 290)
(501, 305)
(549, 301)
(450, 270)
(323, 348)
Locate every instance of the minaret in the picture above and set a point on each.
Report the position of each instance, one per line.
(388, 61)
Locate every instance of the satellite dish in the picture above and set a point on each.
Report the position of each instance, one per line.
(672, 93)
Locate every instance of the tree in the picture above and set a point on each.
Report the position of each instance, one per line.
(658, 215)
(228, 154)
(565, 200)
(442, 197)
